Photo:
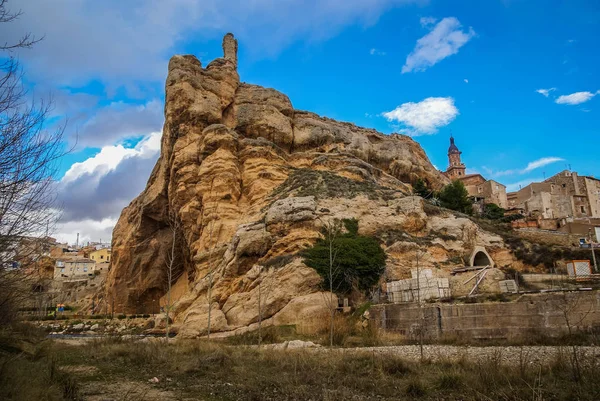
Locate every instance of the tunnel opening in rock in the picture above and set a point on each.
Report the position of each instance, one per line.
(481, 259)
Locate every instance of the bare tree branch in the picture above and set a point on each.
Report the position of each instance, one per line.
(26, 41)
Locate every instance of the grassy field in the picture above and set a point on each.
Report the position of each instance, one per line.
(114, 369)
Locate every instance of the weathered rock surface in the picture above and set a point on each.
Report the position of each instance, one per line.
(246, 181)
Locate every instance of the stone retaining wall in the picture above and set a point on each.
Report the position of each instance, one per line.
(548, 237)
(532, 314)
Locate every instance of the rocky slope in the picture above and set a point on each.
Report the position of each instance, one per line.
(244, 182)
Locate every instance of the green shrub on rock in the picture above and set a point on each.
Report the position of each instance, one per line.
(358, 260)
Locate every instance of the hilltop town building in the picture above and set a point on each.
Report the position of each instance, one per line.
(73, 268)
(564, 195)
(566, 202)
(483, 191)
(100, 255)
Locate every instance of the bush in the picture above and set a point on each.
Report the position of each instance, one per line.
(455, 196)
(422, 189)
(493, 212)
(121, 317)
(359, 260)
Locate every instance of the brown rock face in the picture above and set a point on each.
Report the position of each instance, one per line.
(249, 180)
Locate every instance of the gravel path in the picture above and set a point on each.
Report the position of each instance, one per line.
(510, 355)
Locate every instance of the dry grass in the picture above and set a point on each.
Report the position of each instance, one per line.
(116, 369)
(200, 370)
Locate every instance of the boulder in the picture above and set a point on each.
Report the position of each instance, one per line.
(77, 327)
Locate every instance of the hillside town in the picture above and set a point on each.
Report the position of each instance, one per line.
(565, 203)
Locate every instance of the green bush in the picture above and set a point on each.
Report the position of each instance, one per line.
(455, 196)
(358, 261)
(422, 189)
(493, 212)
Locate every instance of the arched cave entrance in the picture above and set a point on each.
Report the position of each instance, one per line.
(481, 259)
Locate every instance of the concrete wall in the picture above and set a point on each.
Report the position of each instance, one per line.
(532, 313)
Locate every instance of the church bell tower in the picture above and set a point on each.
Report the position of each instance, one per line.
(456, 169)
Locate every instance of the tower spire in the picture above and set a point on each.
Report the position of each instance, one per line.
(456, 167)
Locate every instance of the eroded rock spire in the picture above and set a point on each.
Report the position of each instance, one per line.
(230, 47)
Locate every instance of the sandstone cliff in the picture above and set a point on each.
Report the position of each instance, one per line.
(246, 180)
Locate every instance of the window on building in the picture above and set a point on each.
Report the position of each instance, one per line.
(101, 256)
(62, 270)
(85, 269)
(582, 209)
(564, 185)
(497, 187)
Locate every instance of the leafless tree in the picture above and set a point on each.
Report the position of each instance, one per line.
(332, 230)
(171, 266)
(29, 152)
(6, 16)
(421, 313)
(574, 309)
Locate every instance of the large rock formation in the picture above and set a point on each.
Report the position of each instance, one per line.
(243, 183)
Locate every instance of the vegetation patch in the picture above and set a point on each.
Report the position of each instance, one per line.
(278, 261)
(345, 259)
(324, 184)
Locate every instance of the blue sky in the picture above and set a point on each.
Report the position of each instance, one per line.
(515, 80)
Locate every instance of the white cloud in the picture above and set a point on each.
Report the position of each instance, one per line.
(545, 92)
(446, 38)
(110, 157)
(466, 81)
(544, 161)
(96, 190)
(88, 230)
(129, 42)
(426, 22)
(117, 121)
(576, 98)
(375, 52)
(425, 117)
